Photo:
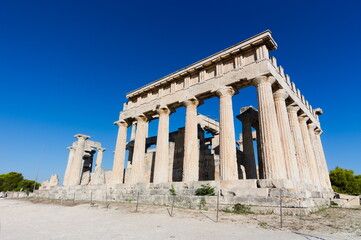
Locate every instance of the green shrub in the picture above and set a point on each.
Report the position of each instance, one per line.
(172, 190)
(241, 209)
(205, 190)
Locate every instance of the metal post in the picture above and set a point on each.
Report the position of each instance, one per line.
(217, 205)
(281, 220)
(171, 211)
(136, 207)
(74, 196)
(91, 198)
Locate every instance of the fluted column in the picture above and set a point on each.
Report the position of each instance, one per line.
(119, 153)
(138, 174)
(248, 150)
(227, 139)
(320, 174)
(303, 168)
(310, 156)
(286, 135)
(162, 150)
(77, 166)
(191, 148)
(272, 153)
(99, 161)
(323, 159)
(69, 165)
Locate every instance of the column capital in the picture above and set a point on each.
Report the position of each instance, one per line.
(164, 110)
(280, 95)
(263, 79)
(225, 92)
(303, 118)
(191, 102)
(122, 123)
(318, 131)
(101, 149)
(81, 136)
(311, 126)
(141, 118)
(293, 108)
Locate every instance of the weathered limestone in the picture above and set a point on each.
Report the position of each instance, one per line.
(99, 161)
(69, 165)
(248, 150)
(289, 149)
(310, 156)
(323, 159)
(286, 135)
(119, 154)
(162, 150)
(139, 150)
(302, 163)
(77, 165)
(318, 164)
(272, 154)
(227, 142)
(191, 149)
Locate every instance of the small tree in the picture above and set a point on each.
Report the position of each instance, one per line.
(344, 181)
(205, 190)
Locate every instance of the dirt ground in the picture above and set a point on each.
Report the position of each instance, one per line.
(34, 219)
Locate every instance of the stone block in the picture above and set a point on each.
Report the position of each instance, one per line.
(239, 184)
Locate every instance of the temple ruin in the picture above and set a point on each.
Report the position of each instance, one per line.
(279, 146)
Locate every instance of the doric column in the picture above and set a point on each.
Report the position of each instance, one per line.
(318, 163)
(227, 139)
(272, 153)
(119, 153)
(99, 161)
(248, 150)
(69, 165)
(286, 135)
(323, 159)
(191, 148)
(77, 166)
(138, 174)
(303, 168)
(310, 156)
(162, 150)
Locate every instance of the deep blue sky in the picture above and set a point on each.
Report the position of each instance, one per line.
(65, 67)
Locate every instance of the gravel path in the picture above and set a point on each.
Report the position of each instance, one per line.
(24, 220)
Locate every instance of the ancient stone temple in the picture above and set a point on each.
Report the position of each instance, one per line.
(279, 146)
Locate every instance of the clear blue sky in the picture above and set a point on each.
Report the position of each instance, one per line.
(65, 67)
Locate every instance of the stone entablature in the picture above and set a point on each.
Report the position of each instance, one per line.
(235, 66)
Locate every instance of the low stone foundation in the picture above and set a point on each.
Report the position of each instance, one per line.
(247, 192)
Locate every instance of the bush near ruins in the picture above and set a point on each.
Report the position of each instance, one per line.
(14, 181)
(344, 181)
(205, 190)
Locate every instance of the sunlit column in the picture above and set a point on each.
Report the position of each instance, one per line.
(272, 153)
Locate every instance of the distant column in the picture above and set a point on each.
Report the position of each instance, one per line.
(119, 153)
(318, 163)
(77, 166)
(138, 175)
(248, 150)
(310, 156)
(69, 165)
(191, 148)
(286, 135)
(303, 168)
(272, 153)
(162, 150)
(99, 161)
(323, 159)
